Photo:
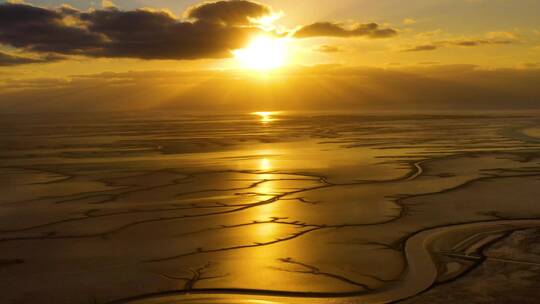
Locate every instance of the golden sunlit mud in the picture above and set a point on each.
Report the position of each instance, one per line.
(267, 207)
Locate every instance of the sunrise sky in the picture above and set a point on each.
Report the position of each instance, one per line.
(175, 53)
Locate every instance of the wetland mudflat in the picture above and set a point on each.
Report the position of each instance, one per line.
(284, 208)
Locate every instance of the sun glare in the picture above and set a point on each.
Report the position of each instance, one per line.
(263, 53)
(265, 117)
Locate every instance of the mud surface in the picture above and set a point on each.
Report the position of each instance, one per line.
(293, 209)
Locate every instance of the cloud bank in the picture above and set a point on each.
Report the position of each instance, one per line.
(494, 38)
(239, 12)
(10, 60)
(208, 30)
(428, 88)
(213, 30)
(329, 29)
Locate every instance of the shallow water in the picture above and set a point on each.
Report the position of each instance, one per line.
(239, 208)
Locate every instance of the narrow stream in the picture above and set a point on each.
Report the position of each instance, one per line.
(421, 274)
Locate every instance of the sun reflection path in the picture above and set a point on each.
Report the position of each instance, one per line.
(265, 117)
(266, 211)
(265, 165)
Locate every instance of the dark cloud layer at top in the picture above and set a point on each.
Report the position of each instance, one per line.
(210, 30)
(229, 12)
(328, 29)
(38, 29)
(149, 34)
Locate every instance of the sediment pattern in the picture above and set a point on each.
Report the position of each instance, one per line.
(358, 209)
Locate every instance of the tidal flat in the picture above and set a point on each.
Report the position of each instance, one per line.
(270, 208)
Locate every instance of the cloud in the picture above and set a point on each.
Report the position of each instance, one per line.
(107, 4)
(531, 65)
(429, 63)
(492, 38)
(209, 30)
(215, 29)
(329, 49)
(238, 12)
(421, 48)
(479, 42)
(429, 34)
(329, 29)
(42, 30)
(409, 21)
(11, 60)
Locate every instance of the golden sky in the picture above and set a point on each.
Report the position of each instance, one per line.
(48, 46)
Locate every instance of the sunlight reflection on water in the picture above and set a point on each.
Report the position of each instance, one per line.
(266, 117)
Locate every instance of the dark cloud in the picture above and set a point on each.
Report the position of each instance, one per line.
(211, 30)
(479, 42)
(429, 63)
(531, 64)
(215, 29)
(329, 29)
(460, 42)
(9, 60)
(421, 48)
(238, 12)
(329, 49)
(42, 30)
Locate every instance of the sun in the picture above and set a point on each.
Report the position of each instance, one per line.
(263, 53)
(265, 117)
